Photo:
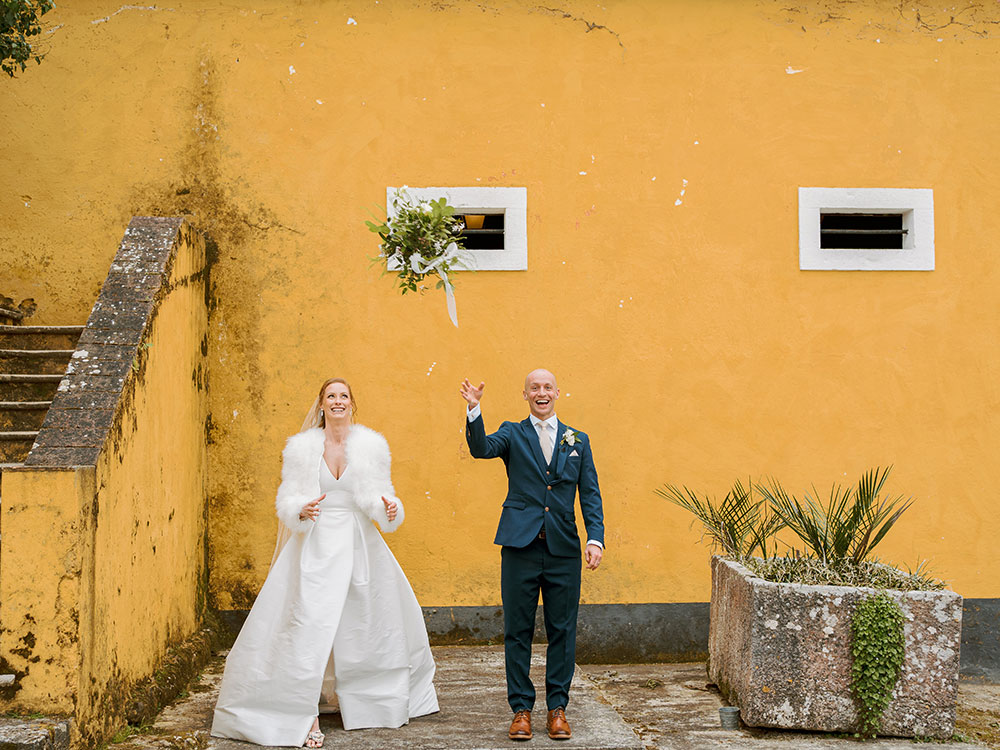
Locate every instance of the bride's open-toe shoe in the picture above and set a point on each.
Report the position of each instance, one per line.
(315, 738)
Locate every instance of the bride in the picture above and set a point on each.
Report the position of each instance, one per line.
(336, 620)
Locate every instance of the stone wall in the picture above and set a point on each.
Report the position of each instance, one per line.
(782, 653)
(102, 563)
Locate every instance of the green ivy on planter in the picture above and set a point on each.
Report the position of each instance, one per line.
(877, 650)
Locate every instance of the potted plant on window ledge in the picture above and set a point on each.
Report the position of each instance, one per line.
(826, 638)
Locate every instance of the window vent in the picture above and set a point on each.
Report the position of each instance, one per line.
(483, 231)
(495, 219)
(873, 231)
(866, 229)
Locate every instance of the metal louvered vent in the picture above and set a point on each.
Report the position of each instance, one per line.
(869, 231)
(483, 231)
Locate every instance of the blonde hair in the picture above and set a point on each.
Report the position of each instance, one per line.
(315, 416)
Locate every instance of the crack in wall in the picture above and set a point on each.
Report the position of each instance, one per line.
(591, 26)
(922, 25)
(128, 7)
(906, 17)
(266, 227)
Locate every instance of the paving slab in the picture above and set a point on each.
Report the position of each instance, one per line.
(629, 706)
(474, 713)
(674, 707)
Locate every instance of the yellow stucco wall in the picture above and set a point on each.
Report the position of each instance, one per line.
(45, 518)
(103, 568)
(687, 342)
(145, 583)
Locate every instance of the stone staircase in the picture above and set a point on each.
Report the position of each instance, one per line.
(33, 359)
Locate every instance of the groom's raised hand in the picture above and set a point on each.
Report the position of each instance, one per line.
(471, 393)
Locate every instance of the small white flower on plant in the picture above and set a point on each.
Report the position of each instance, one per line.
(425, 207)
(568, 438)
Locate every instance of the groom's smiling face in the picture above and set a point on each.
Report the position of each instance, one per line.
(540, 392)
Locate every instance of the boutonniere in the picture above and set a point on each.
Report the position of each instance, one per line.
(568, 438)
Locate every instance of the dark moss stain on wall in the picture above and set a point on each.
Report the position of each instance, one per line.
(235, 225)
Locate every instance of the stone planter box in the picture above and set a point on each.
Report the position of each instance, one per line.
(782, 653)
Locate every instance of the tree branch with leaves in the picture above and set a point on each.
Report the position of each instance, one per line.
(19, 21)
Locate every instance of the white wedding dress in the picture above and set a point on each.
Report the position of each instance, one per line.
(335, 621)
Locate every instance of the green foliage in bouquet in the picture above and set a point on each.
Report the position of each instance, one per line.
(420, 238)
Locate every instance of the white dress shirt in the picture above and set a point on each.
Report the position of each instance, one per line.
(553, 424)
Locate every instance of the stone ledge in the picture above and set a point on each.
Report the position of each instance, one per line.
(34, 734)
(108, 352)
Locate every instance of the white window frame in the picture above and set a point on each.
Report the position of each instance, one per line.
(916, 205)
(512, 202)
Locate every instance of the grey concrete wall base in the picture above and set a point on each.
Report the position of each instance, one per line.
(606, 633)
(34, 734)
(781, 652)
(661, 632)
(981, 639)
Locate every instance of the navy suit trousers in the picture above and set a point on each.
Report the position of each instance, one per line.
(524, 573)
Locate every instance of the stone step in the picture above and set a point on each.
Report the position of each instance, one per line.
(37, 361)
(9, 316)
(15, 446)
(39, 337)
(24, 387)
(46, 733)
(22, 415)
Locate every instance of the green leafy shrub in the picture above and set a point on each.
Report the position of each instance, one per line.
(738, 525)
(838, 535)
(877, 651)
(849, 525)
(19, 20)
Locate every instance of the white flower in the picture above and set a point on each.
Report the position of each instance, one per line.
(425, 207)
(569, 437)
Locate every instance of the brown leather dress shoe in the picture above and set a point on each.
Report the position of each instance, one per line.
(557, 725)
(520, 728)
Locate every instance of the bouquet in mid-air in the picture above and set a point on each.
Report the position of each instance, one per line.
(421, 238)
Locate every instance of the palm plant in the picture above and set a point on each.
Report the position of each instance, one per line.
(851, 522)
(739, 524)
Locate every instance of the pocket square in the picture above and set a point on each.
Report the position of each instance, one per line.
(574, 453)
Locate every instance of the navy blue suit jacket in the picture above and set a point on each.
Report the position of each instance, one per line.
(540, 495)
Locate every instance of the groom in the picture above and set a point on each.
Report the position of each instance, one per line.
(547, 462)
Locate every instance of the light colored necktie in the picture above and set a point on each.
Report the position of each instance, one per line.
(545, 441)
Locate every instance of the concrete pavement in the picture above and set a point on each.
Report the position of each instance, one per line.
(627, 706)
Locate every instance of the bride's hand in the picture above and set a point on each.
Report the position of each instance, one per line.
(311, 510)
(390, 509)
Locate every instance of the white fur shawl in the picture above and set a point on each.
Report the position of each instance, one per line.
(368, 477)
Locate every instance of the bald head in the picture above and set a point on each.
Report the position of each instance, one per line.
(539, 374)
(541, 392)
